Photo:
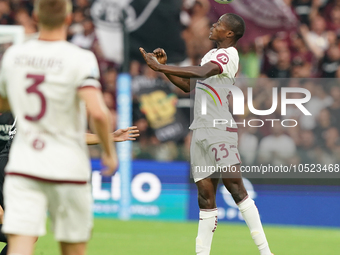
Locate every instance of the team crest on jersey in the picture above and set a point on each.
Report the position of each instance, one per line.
(222, 58)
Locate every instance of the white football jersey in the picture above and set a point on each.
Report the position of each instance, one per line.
(41, 80)
(211, 95)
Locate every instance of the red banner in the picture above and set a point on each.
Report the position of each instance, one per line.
(261, 16)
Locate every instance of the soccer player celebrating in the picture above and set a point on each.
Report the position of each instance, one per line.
(47, 83)
(211, 146)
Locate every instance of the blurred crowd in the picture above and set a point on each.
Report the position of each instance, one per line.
(312, 50)
(310, 139)
(308, 57)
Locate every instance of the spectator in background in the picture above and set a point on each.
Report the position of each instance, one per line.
(196, 35)
(332, 140)
(6, 16)
(330, 6)
(334, 109)
(303, 9)
(249, 60)
(306, 149)
(272, 47)
(330, 63)
(300, 54)
(110, 102)
(319, 100)
(110, 81)
(300, 69)
(322, 124)
(295, 134)
(317, 37)
(282, 69)
(104, 64)
(23, 18)
(148, 79)
(109, 93)
(77, 26)
(26, 4)
(135, 67)
(85, 39)
(334, 22)
(332, 144)
(139, 118)
(83, 5)
(270, 152)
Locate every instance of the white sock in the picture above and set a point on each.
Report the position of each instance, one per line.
(251, 216)
(206, 229)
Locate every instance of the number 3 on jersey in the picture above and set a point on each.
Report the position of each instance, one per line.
(37, 80)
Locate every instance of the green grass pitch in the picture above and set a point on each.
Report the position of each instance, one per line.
(165, 238)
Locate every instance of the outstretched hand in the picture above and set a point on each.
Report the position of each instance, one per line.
(126, 134)
(150, 59)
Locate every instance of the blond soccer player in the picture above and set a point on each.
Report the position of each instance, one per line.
(48, 84)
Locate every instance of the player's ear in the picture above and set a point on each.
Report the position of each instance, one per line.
(230, 34)
(68, 19)
(35, 17)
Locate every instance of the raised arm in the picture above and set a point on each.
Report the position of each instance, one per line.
(179, 76)
(205, 71)
(182, 83)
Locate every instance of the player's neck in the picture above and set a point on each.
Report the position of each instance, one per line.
(224, 44)
(57, 34)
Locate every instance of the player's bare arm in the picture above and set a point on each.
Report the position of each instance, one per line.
(120, 135)
(182, 83)
(205, 71)
(100, 119)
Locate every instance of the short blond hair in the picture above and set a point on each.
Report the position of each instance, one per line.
(52, 13)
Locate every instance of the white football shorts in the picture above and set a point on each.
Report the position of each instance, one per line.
(27, 202)
(213, 151)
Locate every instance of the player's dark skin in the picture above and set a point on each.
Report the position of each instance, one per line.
(224, 37)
